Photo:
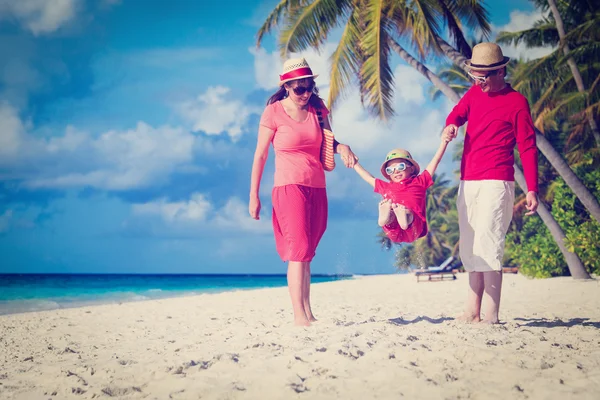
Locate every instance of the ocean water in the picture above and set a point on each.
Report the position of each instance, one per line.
(37, 292)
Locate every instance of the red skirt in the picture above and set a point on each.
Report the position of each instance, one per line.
(299, 221)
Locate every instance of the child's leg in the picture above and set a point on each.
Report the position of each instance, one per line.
(385, 212)
(404, 215)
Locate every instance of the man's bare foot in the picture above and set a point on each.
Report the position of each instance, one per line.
(385, 212)
(301, 322)
(469, 318)
(490, 321)
(403, 215)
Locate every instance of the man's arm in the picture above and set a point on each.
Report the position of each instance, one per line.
(370, 179)
(525, 135)
(460, 113)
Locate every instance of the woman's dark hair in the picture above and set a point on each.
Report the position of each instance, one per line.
(315, 101)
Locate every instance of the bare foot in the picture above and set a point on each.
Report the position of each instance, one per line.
(385, 212)
(490, 321)
(469, 318)
(403, 215)
(301, 322)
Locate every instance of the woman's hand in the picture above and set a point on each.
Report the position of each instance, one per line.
(348, 157)
(254, 207)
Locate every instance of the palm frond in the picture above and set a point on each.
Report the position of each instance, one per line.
(275, 18)
(376, 77)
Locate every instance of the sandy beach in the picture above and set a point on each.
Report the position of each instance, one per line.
(383, 337)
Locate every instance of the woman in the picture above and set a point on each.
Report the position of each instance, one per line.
(290, 121)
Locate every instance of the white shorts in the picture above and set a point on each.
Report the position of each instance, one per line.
(485, 209)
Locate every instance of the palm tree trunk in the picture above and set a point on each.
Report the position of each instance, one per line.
(584, 195)
(574, 263)
(576, 267)
(432, 77)
(571, 63)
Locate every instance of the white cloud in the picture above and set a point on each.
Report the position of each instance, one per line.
(522, 20)
(195, 209)
(39, 16)
(199, 213)
(213, 114)
(114, 160)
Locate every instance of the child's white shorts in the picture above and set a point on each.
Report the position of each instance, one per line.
(485, 209)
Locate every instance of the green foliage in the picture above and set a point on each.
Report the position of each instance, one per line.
(530, 245)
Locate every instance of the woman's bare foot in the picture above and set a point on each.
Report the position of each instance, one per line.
(469, 318)
(490, 321)
(403, 215)
(385, 212)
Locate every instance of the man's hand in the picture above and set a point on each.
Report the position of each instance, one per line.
(450, 131)
(348, 157)
(254, 207)
(532, 202)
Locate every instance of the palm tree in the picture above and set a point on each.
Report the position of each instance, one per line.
(363, 52)
(560, 27)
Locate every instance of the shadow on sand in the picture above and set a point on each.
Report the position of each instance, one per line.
(556, 323)
(402, 321)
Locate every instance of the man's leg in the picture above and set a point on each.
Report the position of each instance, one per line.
(473, 305)
(493, 289)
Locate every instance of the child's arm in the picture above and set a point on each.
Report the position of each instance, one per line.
(370, 179)
(446, 138)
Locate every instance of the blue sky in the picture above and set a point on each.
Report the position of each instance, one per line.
(127, 131)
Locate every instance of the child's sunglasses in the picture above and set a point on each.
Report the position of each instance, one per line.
(300, 90)
(398, 167)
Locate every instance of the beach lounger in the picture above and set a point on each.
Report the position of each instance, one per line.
(445, 270)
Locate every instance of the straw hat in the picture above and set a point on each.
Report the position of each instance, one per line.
(399, 154)
(486, 57)
(295, 68)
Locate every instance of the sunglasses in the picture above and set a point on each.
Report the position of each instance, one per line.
(481, 79)
(300, 90)
(398, 167)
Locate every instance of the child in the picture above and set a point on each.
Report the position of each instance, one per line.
(402, 212)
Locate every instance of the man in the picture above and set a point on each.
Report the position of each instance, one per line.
(499, 119)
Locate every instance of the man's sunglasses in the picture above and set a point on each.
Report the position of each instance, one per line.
(398, 167)
(300, 90)
(483, 78)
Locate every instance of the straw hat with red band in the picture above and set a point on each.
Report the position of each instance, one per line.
(295, 68)
(400, 155)
(486, 57)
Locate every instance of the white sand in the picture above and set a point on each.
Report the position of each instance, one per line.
(381, 337)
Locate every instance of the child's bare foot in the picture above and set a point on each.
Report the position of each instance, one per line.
(469, 318)
(403, 215)
(385, 212)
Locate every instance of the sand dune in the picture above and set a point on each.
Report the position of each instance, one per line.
(381, 337)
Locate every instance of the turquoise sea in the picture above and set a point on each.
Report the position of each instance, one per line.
(36, 292)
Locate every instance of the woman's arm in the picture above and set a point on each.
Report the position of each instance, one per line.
(265, 136)
(370, 179)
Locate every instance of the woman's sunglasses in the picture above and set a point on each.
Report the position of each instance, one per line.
(398, 167)
(300, 90)
(481, 79)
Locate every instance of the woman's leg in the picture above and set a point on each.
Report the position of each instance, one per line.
(306, 293)
(296, 285)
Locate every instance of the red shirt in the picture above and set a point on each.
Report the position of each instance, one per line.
(410, 192)
(497, 122)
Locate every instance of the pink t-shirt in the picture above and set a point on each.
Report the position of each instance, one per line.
(297, 146)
